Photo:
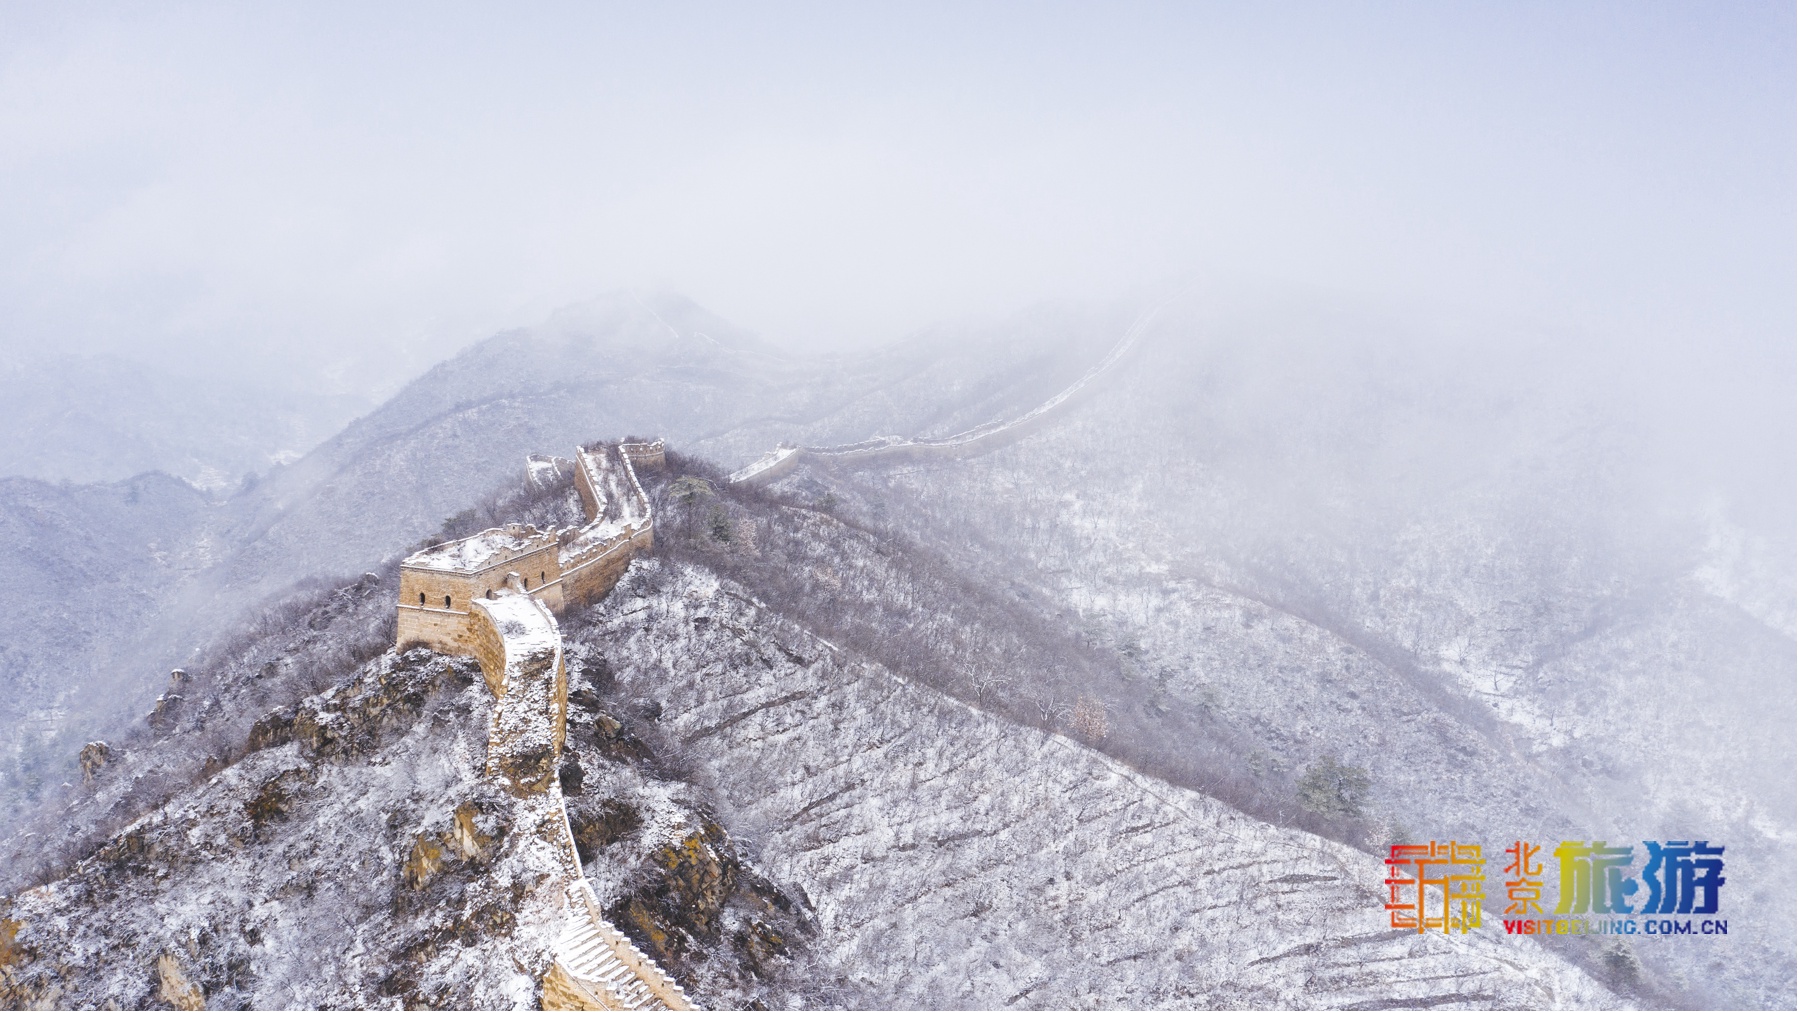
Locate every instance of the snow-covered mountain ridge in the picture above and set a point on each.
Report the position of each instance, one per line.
(361, 850)
(1206, 581)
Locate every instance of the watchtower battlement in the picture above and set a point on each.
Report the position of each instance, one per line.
(575, 565)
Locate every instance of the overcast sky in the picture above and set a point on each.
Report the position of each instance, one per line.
(359, 190)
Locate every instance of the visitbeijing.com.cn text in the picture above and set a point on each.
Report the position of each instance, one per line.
(1616, 926)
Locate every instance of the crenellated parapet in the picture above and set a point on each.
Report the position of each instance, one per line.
(620, 524)
(644, 454)
(440, 585)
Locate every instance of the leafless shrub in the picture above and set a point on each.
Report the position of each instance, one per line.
(1089, 719)
(987, 687)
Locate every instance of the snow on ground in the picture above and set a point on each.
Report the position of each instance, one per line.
(957, 860)
(360, 863)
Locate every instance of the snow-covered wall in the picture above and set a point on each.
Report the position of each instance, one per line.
(520, 650)
(643, 454)
(595, 966)
(510, 628)
(619, 522)
(438, 585)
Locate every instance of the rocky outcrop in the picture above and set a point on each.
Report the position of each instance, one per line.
(357, 856)
(174, 988)
(93, 758)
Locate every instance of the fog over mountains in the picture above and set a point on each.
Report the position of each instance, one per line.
(1026, 505)
(448, 439)
(104, 417)
(1283, 535)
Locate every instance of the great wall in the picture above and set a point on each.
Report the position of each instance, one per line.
(980, 439)
(495, 596)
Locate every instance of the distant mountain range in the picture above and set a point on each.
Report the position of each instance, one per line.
(98, 418)
(1325, 583)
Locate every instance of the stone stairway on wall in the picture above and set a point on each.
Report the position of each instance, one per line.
(600, 968)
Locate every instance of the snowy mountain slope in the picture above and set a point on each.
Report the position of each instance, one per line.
(617, 365)
(957, 860)
(1242, 556)
(1404, 570)
(348, 850)
(277, 881)
(897, 846)
(91, 565)
(358, 858)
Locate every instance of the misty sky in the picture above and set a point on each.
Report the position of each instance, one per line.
(355, 193)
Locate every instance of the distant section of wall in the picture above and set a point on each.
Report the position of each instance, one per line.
(606, 477)
(644, 454)
(980, 439)
(543, 471)
(773, 464)
(594, 567)
(620, 523)
(590, 485)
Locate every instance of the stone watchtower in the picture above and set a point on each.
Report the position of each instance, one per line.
(559, 568)
(439, 584)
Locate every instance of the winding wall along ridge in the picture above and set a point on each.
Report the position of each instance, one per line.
(496, 609)
(980, 439)
(479, 596)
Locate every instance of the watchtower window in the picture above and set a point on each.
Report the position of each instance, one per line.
(527, 583)
(421, 598)
(540, 580)
(490, 595)
(446, 600)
